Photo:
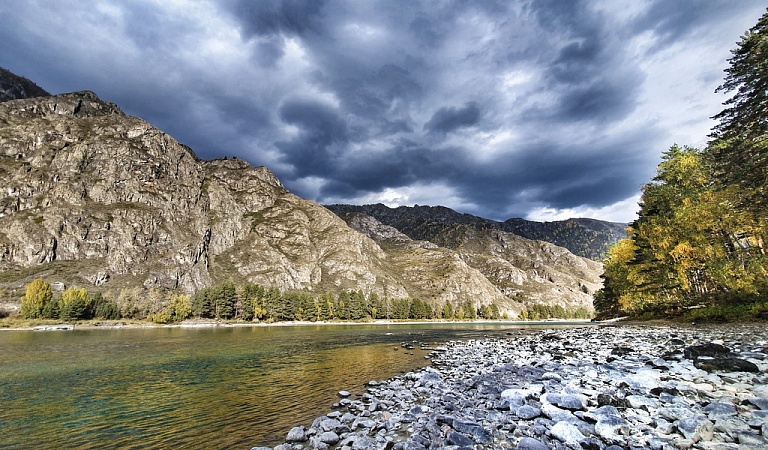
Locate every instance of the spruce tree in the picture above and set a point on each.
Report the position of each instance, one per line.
(740, 145)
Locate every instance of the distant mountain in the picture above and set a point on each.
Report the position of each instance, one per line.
(589, 238)
(524, 270)
(13, 87)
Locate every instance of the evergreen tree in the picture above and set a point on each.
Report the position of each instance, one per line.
(224, 299)
(103, 308)
(74, 304)
(202, 304)
(741, 136)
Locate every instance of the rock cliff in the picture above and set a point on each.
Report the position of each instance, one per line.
(93, 197)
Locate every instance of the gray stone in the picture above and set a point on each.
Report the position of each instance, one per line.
(726, 364)
(297, 434)
(610, 428)
(329, 437)
(696, 428)
(760, 402)
(717, 410)
(707, 349)
(527, 412)
(751, 439)
(555, 413)
(566, 401)
(528, 443)
(456, 438)
(566, 432)
(473, 429)
(675, 412)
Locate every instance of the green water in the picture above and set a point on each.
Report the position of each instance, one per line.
(223, 387)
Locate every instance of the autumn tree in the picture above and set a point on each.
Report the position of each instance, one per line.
(37, 297)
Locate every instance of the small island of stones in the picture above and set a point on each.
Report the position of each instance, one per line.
(594, 387)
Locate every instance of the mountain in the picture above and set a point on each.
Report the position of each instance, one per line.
(14, 87)
(524, 270)
(589, 238)
(96, 198)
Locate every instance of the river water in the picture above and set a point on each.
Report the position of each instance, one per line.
(219, 387)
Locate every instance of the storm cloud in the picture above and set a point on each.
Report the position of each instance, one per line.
(537, 109)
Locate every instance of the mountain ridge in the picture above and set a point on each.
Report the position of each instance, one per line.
(590, 238)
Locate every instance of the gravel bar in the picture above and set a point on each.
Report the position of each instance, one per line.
(595, 387)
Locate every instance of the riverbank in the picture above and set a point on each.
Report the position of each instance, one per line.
(123, 324)
(607, 387)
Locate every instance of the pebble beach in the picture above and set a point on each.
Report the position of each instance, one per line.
(594, 387)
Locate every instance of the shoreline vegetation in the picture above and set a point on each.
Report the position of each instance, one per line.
(95, 324)
(251, 303)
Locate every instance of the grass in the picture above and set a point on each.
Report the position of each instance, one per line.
(756, 311)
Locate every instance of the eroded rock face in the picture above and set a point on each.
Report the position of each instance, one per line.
(89, 195)
(518, 268)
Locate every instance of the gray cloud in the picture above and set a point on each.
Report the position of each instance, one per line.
(447, 119)
(499, 107)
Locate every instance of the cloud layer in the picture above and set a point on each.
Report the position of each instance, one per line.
(536, 109)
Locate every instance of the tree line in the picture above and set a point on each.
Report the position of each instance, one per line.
(247, 302)
(697, 246)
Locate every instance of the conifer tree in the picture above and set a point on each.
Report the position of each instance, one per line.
(740, 147)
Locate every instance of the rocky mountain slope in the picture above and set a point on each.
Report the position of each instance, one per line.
(93, 197)
(522, 269)
(589, 238)
(14, 87)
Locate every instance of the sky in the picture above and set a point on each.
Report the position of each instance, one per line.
(541, 109)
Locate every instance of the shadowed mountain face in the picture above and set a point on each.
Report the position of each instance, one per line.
(589, 238)
(13, 87)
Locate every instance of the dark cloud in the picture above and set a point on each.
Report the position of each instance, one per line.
(290, 17)
(499, 107)
(321, 131)
(447, 119)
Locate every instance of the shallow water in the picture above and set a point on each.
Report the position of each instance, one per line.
(222, 387)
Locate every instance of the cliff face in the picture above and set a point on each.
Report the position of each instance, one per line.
(91, 196)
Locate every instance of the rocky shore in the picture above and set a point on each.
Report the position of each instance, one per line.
(596, 387)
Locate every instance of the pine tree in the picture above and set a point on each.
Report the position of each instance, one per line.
(741, 137)
(74, 304)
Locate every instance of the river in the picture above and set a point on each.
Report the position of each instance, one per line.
(217, 387)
